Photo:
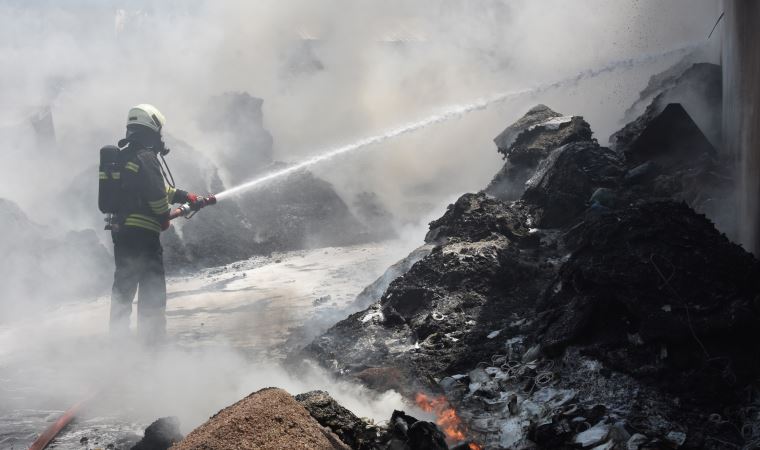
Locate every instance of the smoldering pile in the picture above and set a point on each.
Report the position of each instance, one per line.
(273, 419)
(583, 299)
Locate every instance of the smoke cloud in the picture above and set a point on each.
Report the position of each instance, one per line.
(330, 72)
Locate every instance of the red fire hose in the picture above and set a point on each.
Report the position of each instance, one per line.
(52, 431)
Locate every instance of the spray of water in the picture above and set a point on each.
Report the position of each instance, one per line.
(449, 113)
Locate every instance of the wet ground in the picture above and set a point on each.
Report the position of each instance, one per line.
(227, 328)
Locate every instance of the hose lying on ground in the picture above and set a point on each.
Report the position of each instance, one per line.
(52, 431)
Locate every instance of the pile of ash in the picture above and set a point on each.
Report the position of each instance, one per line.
(581, 301)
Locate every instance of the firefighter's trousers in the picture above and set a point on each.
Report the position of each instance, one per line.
(139, 265)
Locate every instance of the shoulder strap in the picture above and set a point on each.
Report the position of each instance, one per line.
(170, 183)
(127, 144)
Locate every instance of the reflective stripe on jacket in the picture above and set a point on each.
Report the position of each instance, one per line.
(145, 197)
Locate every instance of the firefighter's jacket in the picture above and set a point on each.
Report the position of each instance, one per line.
(145, 199)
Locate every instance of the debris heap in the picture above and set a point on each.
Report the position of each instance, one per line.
(581, 301)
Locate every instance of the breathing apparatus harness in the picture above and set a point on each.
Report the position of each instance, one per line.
(112, 163)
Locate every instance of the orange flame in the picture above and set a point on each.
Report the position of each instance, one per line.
(446, 418)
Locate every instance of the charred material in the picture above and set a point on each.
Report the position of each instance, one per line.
(655, 291)
(528, 141)
(566, 179)
(597, 311)
(160, 435)
(668, 156)
(402, 431)
(352, 430)
(669, 136)
(374, 291)
(408, 433)
(696, 86)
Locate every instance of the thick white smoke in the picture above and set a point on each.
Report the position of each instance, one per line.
(330, 72)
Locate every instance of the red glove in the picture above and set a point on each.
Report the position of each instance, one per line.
(196, 202)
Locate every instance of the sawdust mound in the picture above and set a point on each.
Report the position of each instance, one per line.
(267, 419)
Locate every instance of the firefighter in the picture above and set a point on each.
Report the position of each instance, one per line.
(143, 212)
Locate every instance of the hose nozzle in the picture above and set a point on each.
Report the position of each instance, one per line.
(188, 210)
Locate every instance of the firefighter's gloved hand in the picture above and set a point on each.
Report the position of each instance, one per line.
(196, 202)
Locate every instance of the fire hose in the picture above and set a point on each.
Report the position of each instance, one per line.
(52, 431)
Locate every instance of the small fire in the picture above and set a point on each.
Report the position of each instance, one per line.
(446, 418)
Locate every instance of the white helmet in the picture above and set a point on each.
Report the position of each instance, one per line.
(147, 116)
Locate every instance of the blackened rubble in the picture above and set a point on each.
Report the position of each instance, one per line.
(591, 307)
(698, 87)
(160, 435)
(566, 179)
(401, 432)
(691, 169)
(669, 157)
(353, 431)
(526, 142)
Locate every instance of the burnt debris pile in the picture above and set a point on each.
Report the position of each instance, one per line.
(401, 432)
(585, 299)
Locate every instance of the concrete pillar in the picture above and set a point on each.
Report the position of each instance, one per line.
(741, 111)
